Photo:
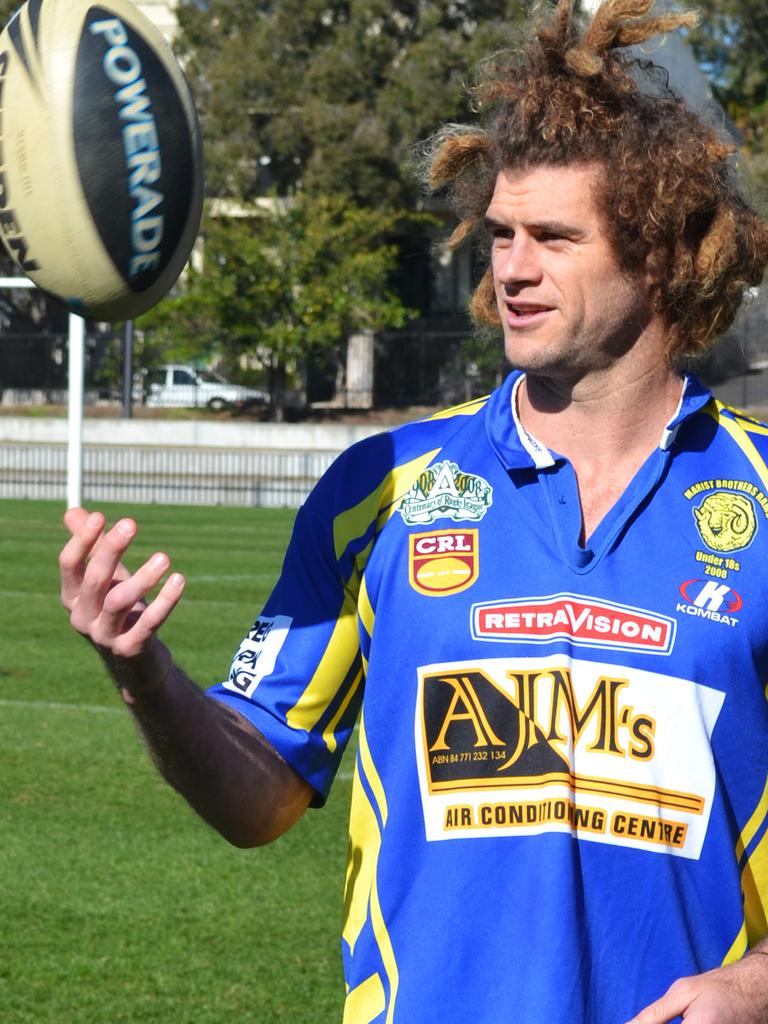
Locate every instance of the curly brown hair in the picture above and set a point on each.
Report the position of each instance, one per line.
(669, 196)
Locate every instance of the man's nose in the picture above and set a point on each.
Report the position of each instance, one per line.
(518, 262)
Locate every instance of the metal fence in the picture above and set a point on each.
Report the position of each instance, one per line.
(165, 476)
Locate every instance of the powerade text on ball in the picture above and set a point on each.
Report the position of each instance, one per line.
(140, 143)
(101, 157)
(127, 114)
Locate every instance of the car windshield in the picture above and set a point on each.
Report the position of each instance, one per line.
(210, 377)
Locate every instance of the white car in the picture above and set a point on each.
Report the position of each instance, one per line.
(183, 387)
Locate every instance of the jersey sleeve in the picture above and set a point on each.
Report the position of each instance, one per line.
(297, 675)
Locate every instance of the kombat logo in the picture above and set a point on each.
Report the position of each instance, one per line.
(578, 619)
(726, 520)
(442, 491)
(443, 562)
(709, 600)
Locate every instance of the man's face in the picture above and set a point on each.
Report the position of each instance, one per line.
(565, 305)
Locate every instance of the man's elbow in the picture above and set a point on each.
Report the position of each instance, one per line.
(264, 824)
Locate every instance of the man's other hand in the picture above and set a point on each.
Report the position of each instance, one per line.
(736, 994)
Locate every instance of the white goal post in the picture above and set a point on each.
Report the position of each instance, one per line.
(75, 390)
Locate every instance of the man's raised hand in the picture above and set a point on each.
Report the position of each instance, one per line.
(107, 603)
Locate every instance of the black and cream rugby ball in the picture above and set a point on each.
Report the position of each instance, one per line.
(101, 166)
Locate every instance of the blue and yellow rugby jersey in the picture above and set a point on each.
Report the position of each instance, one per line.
(560, 802)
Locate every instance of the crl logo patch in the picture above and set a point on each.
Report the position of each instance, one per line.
(443, 562)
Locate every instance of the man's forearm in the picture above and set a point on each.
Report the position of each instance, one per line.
(209, 753)
(214, 757)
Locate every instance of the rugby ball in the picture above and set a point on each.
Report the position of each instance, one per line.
(101, 164)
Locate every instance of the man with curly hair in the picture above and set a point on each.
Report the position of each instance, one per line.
(549, 604)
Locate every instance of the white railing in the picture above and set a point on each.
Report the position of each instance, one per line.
(171, 476)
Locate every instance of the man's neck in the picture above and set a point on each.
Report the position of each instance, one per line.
(601, 418)
(607, 427)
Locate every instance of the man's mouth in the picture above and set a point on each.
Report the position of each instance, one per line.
(521, 314)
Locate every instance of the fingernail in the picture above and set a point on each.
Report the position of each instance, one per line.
(176, 579)
(93, 520)
(125, 526)
(159, 561)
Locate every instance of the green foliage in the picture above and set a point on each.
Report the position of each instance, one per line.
(329, 95)
(732, 45)
(120, 904)
(311, 100)
(294, 278)
(7, 8)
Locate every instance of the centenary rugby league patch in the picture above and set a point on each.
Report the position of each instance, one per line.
(443, 491)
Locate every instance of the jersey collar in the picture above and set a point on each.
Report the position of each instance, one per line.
(517, 449)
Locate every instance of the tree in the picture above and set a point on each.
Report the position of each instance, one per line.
(295, 278)
(732, 45)
(330, 95)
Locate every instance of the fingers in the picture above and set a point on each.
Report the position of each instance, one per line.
(127, 629)
(86, 530)
(105, 552)
(74, 518)
(675, 1001)
(106, 602)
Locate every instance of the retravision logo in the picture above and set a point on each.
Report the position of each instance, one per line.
(591, 623)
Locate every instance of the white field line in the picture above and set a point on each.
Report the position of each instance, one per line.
(97, 709)
(194, 578)
(49, 705)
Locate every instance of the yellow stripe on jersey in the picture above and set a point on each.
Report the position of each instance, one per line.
(739, 947)
(364, 608)
(754, 877)
(355, 521)
(386, 950)
(329, 733)
(739, 435)
(364, 846)
(465, 409)
(364, 843)
(754, 885)
(372, 776)
(749, 831)
(752, 427)
(334, 665)
(365, 1002)
(361, 897)
(343, 646)
(746, 421)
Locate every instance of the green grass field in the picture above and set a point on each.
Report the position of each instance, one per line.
(116, 903)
